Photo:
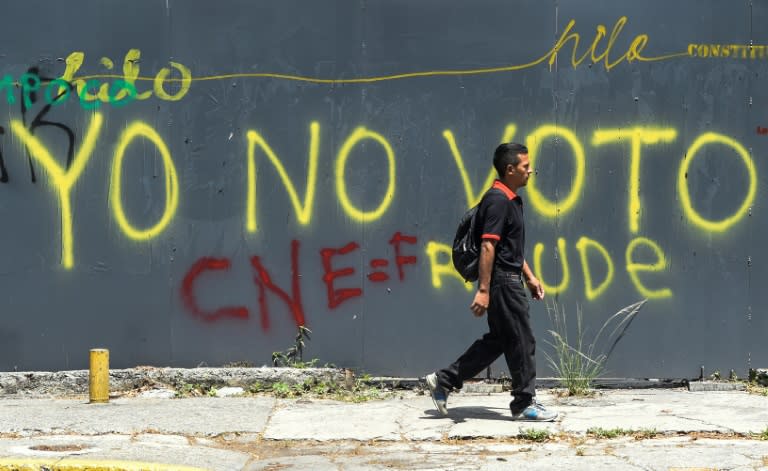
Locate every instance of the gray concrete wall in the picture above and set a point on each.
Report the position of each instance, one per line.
(216, 173)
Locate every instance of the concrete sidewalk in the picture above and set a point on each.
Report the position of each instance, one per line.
(647, 429)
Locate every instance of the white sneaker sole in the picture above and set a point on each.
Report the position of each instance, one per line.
(431, 380)
(525, 419)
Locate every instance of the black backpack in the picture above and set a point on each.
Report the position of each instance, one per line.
(466, 247)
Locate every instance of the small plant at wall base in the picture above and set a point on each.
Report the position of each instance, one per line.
(195, 390)
(359, 391)
(578, 363)
(294, 356)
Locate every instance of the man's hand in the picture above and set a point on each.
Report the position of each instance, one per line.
(480, 303)
(535, 287)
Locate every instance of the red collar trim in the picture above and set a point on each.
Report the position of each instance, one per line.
(501, 186)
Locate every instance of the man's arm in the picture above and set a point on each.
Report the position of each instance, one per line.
(534, 285)
(485, 265)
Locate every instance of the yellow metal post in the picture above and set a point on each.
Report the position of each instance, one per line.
(99, 375)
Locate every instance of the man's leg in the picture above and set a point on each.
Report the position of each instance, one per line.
(478, 356)
(521, 359)
(513, 324)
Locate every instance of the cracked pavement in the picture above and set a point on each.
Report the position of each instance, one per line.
(617, 429)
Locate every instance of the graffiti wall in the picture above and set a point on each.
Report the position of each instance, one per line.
(185, 183)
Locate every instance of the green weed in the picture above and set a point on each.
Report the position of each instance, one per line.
(238, 364)
(360, 390)
(599, 432)
(646, 433)
(194, 390)
(294, 356)
(282, 390)
(577, 362)
(754, 388)
(534, 435)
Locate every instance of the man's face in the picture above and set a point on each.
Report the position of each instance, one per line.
(522, 171)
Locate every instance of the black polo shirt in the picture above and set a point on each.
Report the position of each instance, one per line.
(501, 219)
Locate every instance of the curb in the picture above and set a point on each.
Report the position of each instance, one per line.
(123, 380)
(76, 381)
(543, 383)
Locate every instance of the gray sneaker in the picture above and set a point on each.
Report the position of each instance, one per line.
(439, 394)
(535, 413)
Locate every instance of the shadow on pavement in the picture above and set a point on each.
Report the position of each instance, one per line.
(460, 414)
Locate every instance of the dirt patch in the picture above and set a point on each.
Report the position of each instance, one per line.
(59, 448)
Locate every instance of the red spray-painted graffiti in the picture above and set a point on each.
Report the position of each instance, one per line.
(188, 294)
(338, 296)
(264, 283)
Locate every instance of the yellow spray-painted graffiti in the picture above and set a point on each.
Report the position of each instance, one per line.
(473, 197)
(658, 266)
(583, 246)
(633, 53)
(562, 254)
(541, 203)
(637, 136)
(162, 77)
(133, 131)
(62, 180)
(440, 265)
(131, 70)
(303, 211)
(724, 51)
(597, 53)
(360, 134)
(685, 196)
(441, 269)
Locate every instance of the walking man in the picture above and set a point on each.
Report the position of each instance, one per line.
(501, 292)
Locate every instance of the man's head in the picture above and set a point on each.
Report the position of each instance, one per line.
(512, 164)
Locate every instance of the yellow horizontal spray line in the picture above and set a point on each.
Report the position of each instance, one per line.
(382, 78)
(633, 53)
(327, 81)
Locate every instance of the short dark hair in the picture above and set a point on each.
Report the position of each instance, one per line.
(507, 154)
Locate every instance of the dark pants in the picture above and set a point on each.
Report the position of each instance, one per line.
(510, 333)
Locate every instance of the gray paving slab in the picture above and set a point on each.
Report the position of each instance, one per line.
(315, 463)
(324, 420)
(418, 420)
(684, 453)
(717, 430)
(477, 416)
(667, 411)
(410, 417)
(194, 416)
(675, 453)
(154, 448)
